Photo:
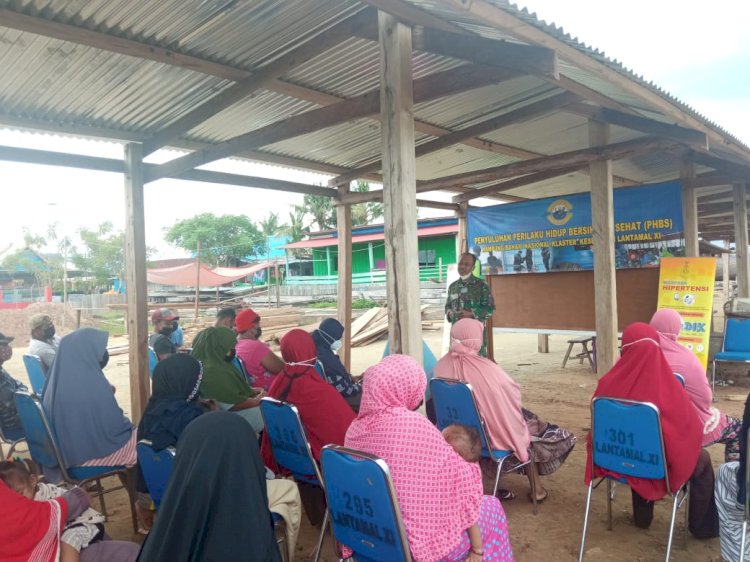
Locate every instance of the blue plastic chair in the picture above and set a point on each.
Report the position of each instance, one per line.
(156, 466)
(321, 370)
(35, 370)
(680, 379)
(12, 438)
(365, 515)
(291, 449)
(626, 439)
(239, 364)
(152, 361)
(455, 403)
(746, 517)
(45, 452)
(736, 345)
(428, 360)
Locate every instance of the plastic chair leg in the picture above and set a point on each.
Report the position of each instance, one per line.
(280, 527)
(585, 521)
(610, 496)
(713, 378)
(686, 501)
(319, 546)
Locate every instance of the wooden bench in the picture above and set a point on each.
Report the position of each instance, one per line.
(585, 350)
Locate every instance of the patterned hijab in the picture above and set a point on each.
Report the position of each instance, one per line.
(221, 380)
(439, 493)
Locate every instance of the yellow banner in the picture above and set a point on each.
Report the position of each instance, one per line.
(687, 286)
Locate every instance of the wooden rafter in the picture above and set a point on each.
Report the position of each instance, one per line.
(517, 116)
(411, 14)
(557, 161)
(506, 185)
(428, 88)
(259, 79)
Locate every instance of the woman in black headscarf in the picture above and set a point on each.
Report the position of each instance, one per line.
(215, 506)
(174, 400)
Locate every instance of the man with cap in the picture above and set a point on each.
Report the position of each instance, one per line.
(44, 342)
(163, 322)
(260, 362)
(9, 420)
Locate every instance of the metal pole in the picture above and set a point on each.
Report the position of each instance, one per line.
(197, 278)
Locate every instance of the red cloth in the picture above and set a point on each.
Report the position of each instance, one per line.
(439, 493)
(643, 374)
(29, 530)
(325, 414)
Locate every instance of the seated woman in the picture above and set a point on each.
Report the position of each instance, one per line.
(717, 427)
(439, 493)
(509, 425)
(90, 426)
(730, 497)
(643, 374)
(260, 362)
(215, 506)
(174, 404)
(214, 348)
(327, 340)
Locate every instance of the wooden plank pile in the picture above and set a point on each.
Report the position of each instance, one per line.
(373, 325)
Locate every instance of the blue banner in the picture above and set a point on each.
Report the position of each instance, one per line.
(555, 234)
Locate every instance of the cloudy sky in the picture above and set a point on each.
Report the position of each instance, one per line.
(698, 52)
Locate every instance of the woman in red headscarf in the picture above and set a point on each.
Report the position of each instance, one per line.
(325, 414)
(643, 374)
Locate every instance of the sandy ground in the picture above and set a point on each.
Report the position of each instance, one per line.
(558, 395)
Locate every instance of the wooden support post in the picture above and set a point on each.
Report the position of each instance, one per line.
(542, 343)
(741, 240)
(689, 208)
(462, 241)
(344, 288)
(197, 280)
(278, 284)
(725, 271)
(603, 219)
(135, 284)
(328, 261)
(399, 187)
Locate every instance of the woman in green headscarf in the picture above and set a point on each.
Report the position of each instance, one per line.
(222, 382)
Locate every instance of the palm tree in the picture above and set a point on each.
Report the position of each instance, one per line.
(365, 213)
(296, 229)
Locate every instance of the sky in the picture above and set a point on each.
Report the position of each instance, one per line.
(698, 52)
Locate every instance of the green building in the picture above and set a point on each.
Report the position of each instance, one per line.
(437, 249)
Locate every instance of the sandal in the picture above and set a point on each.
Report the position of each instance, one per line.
(538, 500)
(505, 495)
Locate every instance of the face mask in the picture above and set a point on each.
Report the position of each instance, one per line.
(49, 333)
(6, 352)
(258, 332)
(306, 363)
(336, 347)
(105, 359)
(166, 331)
(465, 277)
(175, 325)
(229, 358)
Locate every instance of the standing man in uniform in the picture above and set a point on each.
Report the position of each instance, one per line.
(469, 297)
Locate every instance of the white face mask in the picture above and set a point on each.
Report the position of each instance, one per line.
(335, 344)
(306, 363)
(465, 277)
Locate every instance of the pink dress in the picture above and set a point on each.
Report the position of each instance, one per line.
(252, 352)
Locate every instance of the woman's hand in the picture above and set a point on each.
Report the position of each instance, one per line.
(474, 557)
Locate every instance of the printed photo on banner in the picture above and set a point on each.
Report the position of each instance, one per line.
(555, 233)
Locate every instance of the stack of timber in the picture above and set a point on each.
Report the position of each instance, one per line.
(373, 325)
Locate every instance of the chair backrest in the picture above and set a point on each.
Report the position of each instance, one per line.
(680, 379)
(627, 438)
(156, 468)
(239, 364)
(39, 436)
(152, 361)
(428, 360)
(320, 369)
(454, 403)
(362, 502)
(288, 439)
(34, 369)
(737, 335)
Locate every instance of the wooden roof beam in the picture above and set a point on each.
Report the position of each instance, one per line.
(724, 165)
(428, 88)
(49, 158)
(564, 160)
(260, 78)
(410, 14)
(508, 184)
(355, 197)
(641, 124)
(458, 136)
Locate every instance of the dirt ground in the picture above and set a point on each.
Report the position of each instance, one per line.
(555, 394)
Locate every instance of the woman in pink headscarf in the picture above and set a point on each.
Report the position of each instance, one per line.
(717, 427)
(439, 493)
(509, 425)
